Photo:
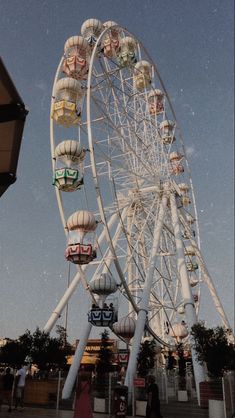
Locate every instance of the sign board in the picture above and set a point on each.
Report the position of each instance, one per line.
(120, 357)
(139, 382)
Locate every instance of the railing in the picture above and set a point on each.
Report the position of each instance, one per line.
(102, 392)
(228, 382)
(161, 380)
(46, 390)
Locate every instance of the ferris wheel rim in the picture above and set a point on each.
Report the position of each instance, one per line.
(52, 147)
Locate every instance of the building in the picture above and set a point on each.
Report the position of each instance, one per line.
(12, 119)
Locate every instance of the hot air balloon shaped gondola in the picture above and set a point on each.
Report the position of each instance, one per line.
(81, 226)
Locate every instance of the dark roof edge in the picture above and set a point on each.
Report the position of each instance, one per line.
(9, 83)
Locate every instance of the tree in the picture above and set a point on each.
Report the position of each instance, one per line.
(213, 347)
(48, 352)
(103, 364)
(104, 360)
(45, 351)
(146, 357)
(62, 335)
(14, 352)
(181, 366)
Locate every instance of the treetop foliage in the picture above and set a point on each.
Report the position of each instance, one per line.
(104, 360)
(44, 351)
(146, 357)
(212, 346)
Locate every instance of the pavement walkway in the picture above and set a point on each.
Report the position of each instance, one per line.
(175, 410)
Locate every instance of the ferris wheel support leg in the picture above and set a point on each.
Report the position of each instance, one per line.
(72, 375)
(143, 311)
(207, 277)
(190, 311)
(63, 302)
(72, 287)
(211, 288)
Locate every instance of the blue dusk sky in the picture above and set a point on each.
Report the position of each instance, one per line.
(191, 41)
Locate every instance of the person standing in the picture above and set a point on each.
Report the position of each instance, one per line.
(1, 388)
(153, 401)
(83, 408)
(8, 380)
(20, 386)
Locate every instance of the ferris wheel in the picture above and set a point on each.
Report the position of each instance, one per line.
(118, 158)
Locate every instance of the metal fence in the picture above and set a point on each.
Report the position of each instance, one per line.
(47, 391)
(167, 381)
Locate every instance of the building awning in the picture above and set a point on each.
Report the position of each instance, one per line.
(12, 119)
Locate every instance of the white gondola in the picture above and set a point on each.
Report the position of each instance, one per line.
(142, 75)
(167, 128)
(101, 317)
(91, 30)
(189, 251)
(68, 175)
(156, 102)
(125, 327)
(103, 285)
(81, 224)
(102, 314)
(83, 221)
(184, 188)
(190, 219)
(77, 56)
(110, 43)
(127, 53)
(176, 166)
(68, 89)
(66, 108)
(179, 331)
(185, 201)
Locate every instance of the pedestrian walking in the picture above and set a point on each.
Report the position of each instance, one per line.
(7, 383)
(153, 401)
(20, 386)
(83, 408)
(1, 386)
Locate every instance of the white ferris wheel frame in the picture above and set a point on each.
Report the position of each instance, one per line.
(168, 195)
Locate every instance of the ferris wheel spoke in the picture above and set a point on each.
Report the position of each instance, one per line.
(132, 151)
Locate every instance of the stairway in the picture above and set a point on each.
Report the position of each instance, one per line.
(189, 409)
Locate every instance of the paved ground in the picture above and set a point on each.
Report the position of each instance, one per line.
(173, 410)
(35, 413)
